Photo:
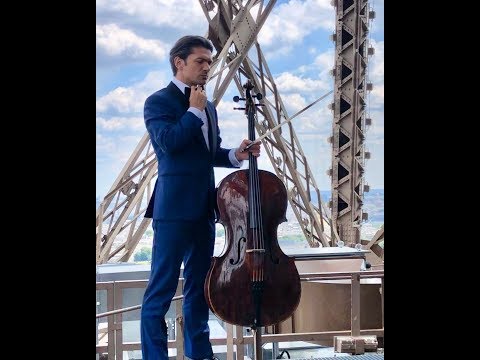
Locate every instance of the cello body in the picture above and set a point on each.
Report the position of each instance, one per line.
(252, 283)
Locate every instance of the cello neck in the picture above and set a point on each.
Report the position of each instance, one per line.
(253, 177)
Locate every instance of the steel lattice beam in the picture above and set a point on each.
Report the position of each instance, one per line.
(349, 119)
(117, 233)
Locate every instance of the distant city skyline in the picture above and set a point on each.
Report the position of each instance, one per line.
(133, 39)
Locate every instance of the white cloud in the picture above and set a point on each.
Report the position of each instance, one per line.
(317, 120)
(125, 146)
(376, 75)
(283, 29)
(377, 141)
(293, 102)
(377, 96)
(377, 24)
(117, 42)
(375, 135)
(287, 82)
(376, 129)
(112, 155)
(230, 119)
(376, 62)
(131, 99)
(178, 14)
(118, 123)
(103, 144)
(325, 61)
(124, 100)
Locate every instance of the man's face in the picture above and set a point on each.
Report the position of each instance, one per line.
(194, 70)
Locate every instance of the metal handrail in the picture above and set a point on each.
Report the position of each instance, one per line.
(131, 308)
(305, 277)
(339, 275)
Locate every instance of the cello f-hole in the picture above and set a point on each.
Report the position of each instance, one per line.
(233, 261)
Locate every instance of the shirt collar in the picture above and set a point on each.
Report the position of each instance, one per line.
(180, 85)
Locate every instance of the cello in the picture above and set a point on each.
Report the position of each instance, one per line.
(252, 283)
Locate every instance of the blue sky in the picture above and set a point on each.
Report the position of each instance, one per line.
(134, 37)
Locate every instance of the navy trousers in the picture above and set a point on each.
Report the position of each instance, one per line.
(174, 242)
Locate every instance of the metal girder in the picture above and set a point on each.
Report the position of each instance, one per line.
(232, 40)
(117, 233)
(373, 244)
(349, 119)
(233, 30)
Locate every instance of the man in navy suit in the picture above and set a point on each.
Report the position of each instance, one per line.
(185, 135)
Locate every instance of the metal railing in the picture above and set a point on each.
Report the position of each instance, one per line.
(115, 346)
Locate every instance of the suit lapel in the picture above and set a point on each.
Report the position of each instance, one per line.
(212, 129)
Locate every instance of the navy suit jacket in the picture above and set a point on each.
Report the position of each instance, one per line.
(185, 186)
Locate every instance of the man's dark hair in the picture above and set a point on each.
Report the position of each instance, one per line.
(184, 47)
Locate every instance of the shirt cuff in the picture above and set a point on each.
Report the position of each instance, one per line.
(195, 112)
(233, 158)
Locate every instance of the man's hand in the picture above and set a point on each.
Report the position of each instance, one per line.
(198, 97)
(240, 154)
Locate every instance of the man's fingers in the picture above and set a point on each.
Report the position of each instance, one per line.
(248, 146)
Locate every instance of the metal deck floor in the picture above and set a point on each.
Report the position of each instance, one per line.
(366, 356)
(322, 353)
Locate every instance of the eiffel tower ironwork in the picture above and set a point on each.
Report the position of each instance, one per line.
(233, 27)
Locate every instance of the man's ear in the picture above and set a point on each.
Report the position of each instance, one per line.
(179, 63)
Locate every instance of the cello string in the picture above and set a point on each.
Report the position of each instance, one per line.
(258, 215)
(257, 211)
(252, 187)
(254, 198)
